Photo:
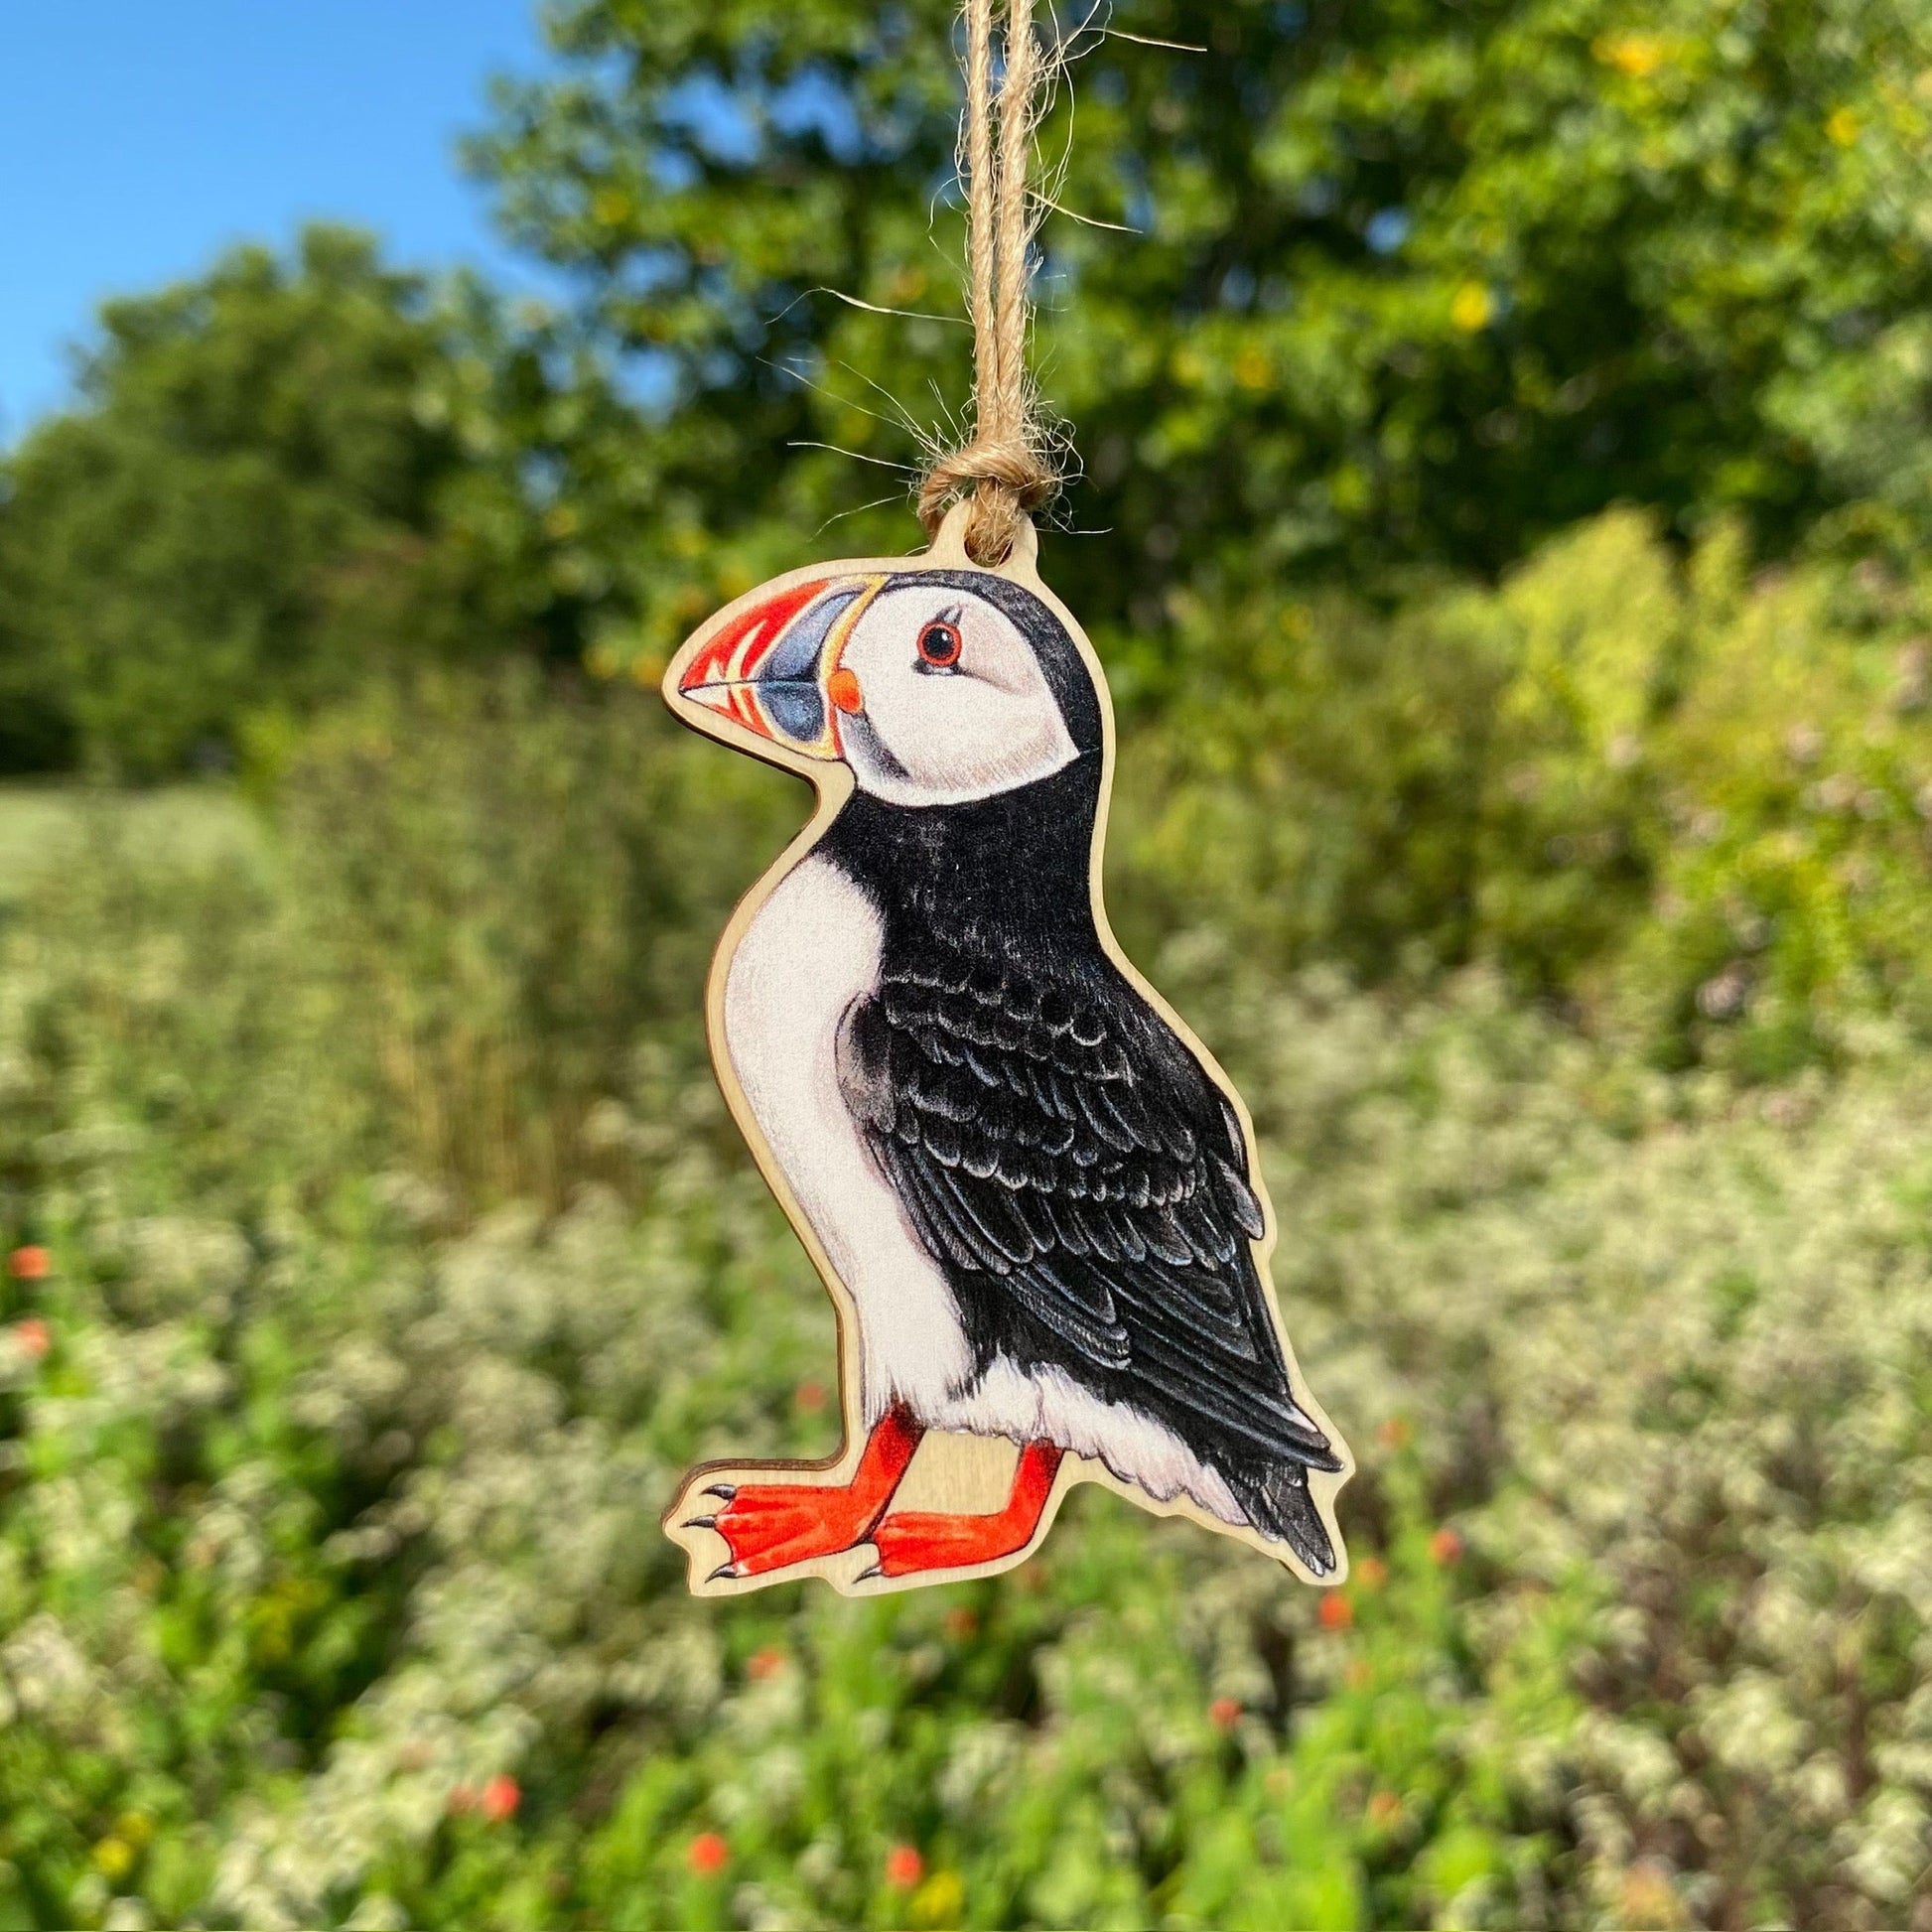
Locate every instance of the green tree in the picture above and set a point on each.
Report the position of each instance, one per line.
(1411, 285)
(274, 477)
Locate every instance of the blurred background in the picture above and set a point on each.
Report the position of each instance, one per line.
(1507, 515)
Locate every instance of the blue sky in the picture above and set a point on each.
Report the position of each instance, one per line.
(138, 137)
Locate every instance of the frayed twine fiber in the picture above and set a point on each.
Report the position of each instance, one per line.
(1007, 464)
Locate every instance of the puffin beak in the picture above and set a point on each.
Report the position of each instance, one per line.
(773, 667)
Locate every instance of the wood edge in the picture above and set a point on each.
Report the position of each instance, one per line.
(833, 784)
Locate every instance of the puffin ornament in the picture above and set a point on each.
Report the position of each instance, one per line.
(1032, 1192)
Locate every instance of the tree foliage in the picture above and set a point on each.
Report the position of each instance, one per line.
(277, 476)
(1408, 286)
(1403, 290)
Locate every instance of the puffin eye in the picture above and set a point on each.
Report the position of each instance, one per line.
(939, 645)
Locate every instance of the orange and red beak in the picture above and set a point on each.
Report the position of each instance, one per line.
(773, 667)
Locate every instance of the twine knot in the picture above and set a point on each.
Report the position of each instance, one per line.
(1008, 480)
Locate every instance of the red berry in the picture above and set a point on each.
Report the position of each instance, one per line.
(32, 1338)
(1224, 1712)
(765, 1663)
(810, 1397)
(1372, 1572)
(1395, 1432)
(1446, 1545)
(961, 1621)
(1337, 1612)
(500, 1798)
(30, 1263)
(903, 1867)
(708, 1855)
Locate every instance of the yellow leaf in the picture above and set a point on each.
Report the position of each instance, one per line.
(1638, 54)
(940, 1901)
(1472, 308)
(113, 1857)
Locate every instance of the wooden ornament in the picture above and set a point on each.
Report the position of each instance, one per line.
(1030, 1190)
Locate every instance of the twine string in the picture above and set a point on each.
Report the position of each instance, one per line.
(1006, 463)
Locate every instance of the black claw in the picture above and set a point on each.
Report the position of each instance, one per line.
(866, 1575)
(724, 1491)
(725, 1573)
(701, 1523)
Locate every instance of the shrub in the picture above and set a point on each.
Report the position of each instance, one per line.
(513, 887)
(1688, 808)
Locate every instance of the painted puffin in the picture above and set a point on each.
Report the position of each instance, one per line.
(1036, 1194)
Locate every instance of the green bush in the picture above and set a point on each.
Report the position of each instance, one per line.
(1687, 806)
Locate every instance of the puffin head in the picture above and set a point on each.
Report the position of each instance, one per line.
(936, 687)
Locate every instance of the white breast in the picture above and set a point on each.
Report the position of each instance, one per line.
(811, 951)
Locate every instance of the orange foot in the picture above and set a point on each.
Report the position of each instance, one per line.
(917, 1539)
(772, 1525)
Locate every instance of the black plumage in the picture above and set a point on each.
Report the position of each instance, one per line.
(1062, 1155)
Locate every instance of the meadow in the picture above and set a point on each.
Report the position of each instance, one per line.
(380, 1253)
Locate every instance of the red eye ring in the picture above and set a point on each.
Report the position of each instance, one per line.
(940, 644)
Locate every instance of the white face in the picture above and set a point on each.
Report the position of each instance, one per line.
(951, 702)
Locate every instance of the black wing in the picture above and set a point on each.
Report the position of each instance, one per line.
(1069, 1164)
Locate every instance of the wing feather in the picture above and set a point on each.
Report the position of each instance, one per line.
(1058, 1149)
